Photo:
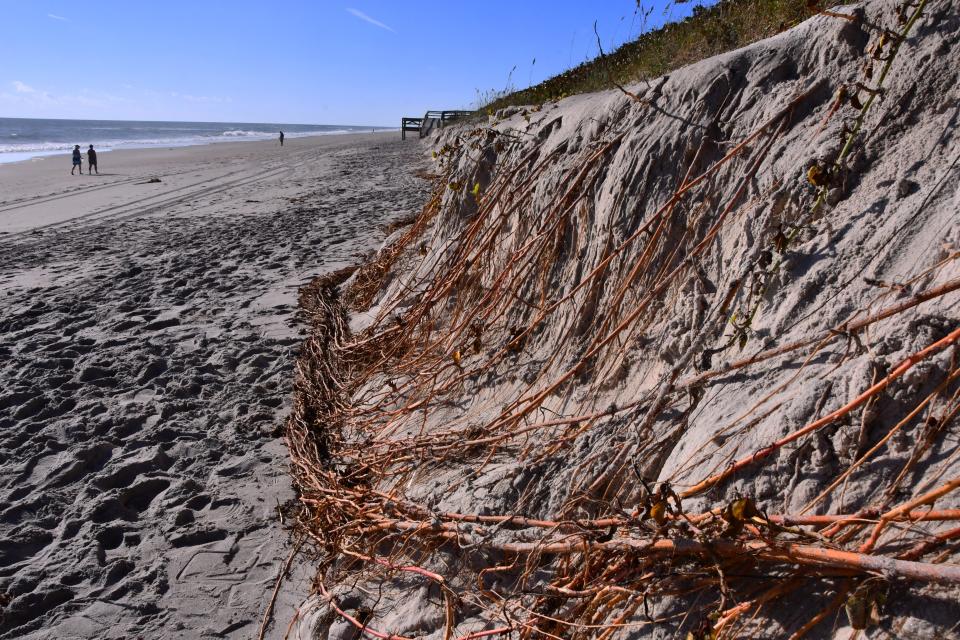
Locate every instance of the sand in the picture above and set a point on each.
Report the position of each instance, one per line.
(567, 321)
(147, 336)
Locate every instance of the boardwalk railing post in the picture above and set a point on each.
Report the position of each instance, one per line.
(429, 120)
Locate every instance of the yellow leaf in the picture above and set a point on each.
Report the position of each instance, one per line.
(817, 176)
(744, 509)
(659, 512)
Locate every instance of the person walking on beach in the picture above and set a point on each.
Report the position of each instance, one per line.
(77, 159)
(281, 138)
(92, 161)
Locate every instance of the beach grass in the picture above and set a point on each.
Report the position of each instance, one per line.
(727, 25)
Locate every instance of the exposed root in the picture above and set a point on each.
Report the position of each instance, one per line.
(486, 291)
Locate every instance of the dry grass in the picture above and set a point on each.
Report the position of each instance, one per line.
(725, 26)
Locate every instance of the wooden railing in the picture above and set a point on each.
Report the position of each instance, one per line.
(430, 119)
(410, 124)
(445, 116)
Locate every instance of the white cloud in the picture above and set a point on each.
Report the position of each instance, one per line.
(20, 99)
(24, 94)
(56, 17)
(28, 97)
(366, 18)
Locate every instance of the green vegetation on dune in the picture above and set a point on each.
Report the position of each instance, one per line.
(727, 25)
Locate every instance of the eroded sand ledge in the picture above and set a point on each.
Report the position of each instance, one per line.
(703, 285)
(146, 350)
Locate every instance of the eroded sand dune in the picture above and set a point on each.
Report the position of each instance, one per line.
(635, 342)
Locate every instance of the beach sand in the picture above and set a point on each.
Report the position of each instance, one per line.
(147, 349)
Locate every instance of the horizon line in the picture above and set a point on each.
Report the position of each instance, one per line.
(298, 124)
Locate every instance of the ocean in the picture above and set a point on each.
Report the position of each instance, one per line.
(24, 138)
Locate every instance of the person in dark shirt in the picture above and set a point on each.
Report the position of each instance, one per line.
(281, 138)
(77, 159)
(92, 161)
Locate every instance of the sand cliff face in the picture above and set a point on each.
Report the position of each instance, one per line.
(621, 312)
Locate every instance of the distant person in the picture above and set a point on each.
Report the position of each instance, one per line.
(92, 161)
(281, 138)
(77, 159)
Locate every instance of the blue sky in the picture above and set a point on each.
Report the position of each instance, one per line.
(303, 61)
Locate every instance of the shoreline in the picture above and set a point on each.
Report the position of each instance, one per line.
(41, 192)
(14, 157)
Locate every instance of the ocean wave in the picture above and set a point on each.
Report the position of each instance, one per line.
(237, 133)
(231, 135)
(34, 146)
(28, 147)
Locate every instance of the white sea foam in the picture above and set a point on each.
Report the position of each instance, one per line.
(129, 144)
(34, 146)
(236, 133)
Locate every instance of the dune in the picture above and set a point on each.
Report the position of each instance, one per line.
(675, 361)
